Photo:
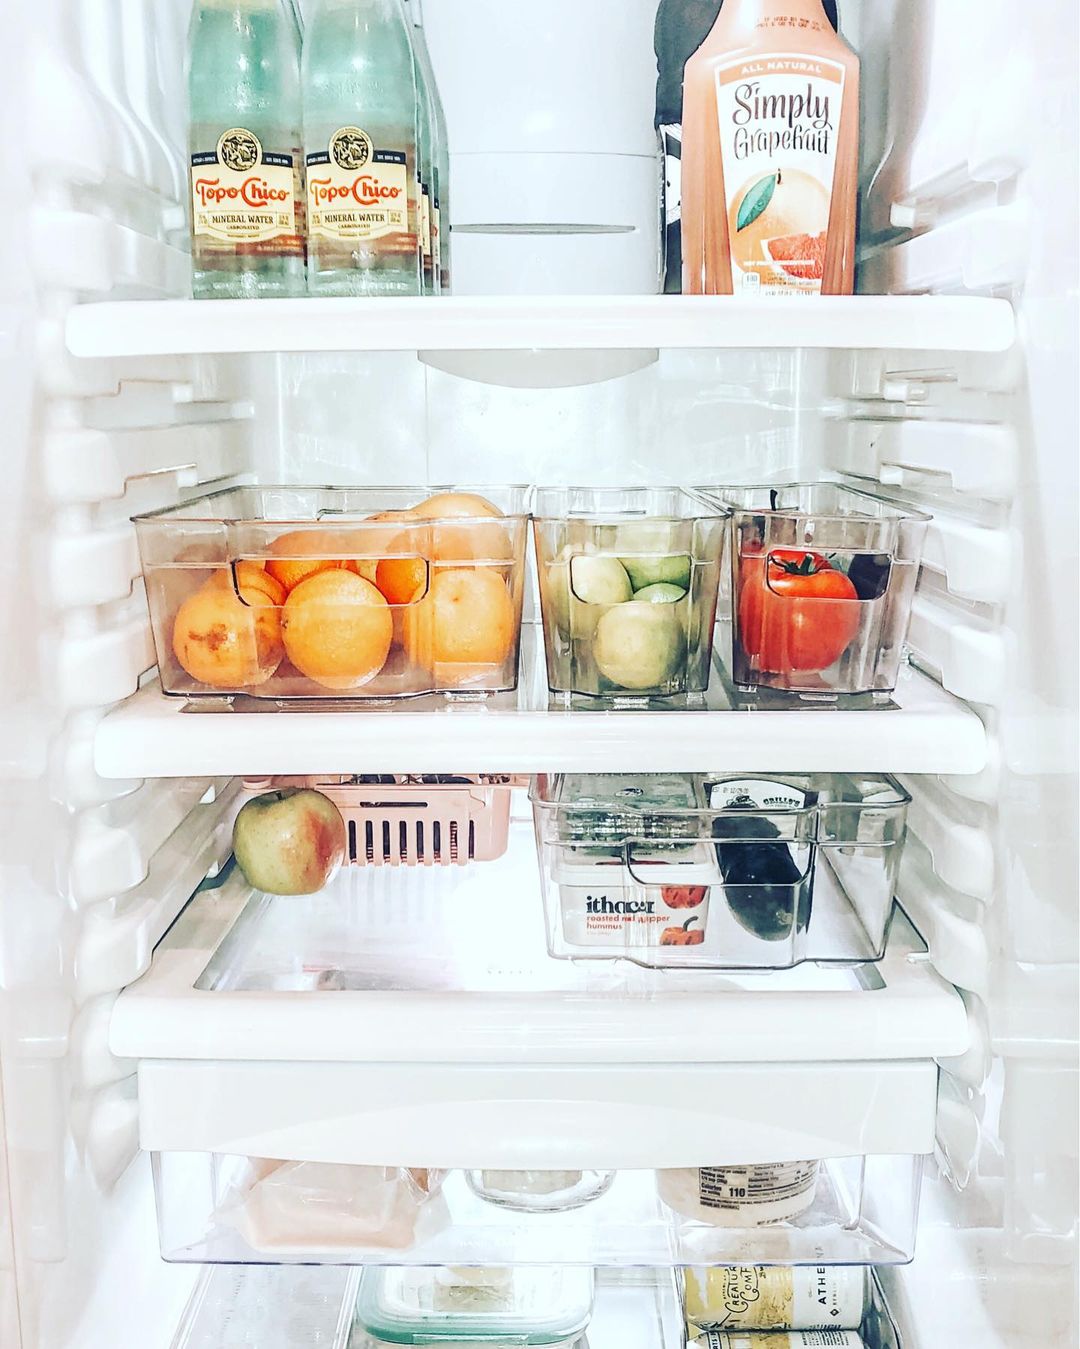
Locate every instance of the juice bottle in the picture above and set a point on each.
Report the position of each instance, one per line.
(770, 154)
(681, 27)
(246, 187)
(360, 127)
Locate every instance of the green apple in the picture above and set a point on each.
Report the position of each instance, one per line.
(290, 841)
(659, 569)
(660, 593)
(639, 645)
(599, 580)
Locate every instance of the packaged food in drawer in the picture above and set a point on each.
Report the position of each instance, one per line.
(822, 580)
(283, 593)
(724, 871)
(629, 579)
(459, 1306)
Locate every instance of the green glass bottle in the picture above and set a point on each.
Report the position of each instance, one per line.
(247, 228)
(440, 154)
(360, 142)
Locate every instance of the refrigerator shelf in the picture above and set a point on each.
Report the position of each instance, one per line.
(926, 730)
(297, 1028)
(539, 323)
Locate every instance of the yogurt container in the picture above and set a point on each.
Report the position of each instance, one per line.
(740, 1196)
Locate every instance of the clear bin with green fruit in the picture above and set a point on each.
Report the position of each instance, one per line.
(629, 578)
(822, 582)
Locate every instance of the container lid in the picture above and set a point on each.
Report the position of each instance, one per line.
(542, 1306)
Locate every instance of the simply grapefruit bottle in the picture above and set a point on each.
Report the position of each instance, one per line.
(360, 134)
(247, 231)
(770, 154)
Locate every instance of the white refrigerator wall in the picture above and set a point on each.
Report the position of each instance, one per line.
(969, 185)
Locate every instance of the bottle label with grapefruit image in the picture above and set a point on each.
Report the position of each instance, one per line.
(779, 119)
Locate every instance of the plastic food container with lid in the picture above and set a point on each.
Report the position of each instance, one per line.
(629, 579)
(285, 594)
(460, 1307)
(822, 581)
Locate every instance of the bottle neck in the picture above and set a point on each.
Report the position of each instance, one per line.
(749, 14)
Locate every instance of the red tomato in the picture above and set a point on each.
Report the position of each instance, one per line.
(802, 618)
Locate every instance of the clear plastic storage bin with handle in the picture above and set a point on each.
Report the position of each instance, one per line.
(822, 581)
(718, 871)
(629, 578)
(282, 593)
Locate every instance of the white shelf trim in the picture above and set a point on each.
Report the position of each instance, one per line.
(542, 323)
(153, 736)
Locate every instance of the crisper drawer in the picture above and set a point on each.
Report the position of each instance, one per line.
(411, 1018)
(295, 1308)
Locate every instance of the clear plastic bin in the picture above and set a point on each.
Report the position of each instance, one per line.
(629, 578)
(719, 871)
(237, 1210)
(822, 580)
(282, 593)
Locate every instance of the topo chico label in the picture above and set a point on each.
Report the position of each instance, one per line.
(242, 194)
(356, 191)
(779, 119)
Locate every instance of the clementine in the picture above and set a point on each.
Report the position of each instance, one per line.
(226, 641)
(471, 540)
(337, 629)
(251, 574)
(302, 553)
(462, 627)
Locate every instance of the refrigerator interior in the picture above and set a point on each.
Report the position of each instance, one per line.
(113, 814)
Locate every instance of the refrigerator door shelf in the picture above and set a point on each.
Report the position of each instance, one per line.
(923, 730)
(226, 1209)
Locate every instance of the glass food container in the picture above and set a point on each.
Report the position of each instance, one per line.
(822, 580)
(722, 871)
(460, 1307)
(539, 1191)
(304, 593)
(629, 578)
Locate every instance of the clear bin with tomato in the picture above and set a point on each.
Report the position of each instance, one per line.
(822, 581)
(722, 871)
(629, 580)
(314, 593)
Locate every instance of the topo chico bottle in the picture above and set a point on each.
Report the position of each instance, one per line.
(247, 231)
(360, 133)
(440, 155)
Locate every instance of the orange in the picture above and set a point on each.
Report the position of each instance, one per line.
(400, 578)
(302, 553)
(225, 641)
(250, 574)
(464, 625)
(376, 541)
(465, 542)
(337, 629)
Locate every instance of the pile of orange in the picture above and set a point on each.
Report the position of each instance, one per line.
(336, 617)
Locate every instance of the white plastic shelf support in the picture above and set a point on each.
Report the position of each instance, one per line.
(541, 323)
(928, 731)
